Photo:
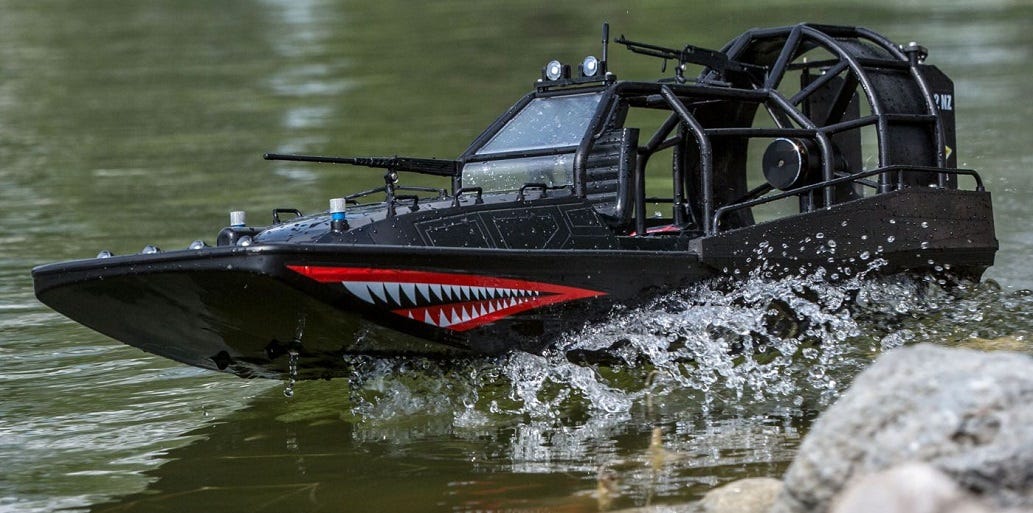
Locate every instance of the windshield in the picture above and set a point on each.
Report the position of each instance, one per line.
(512, 174)
(551, 122)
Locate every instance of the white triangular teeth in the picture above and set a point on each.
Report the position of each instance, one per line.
(424, 291)
(377, 289)
(392, 290)
(442, 305)
(409, 290)
(359, 289)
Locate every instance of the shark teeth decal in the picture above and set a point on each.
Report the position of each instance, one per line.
(457, 302)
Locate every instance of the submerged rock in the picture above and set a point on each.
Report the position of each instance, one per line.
(752, 495)
(1006, 343)
(964, 412)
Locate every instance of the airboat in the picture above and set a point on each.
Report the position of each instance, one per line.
(807, 148)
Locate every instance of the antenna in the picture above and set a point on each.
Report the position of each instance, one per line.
(606, 44)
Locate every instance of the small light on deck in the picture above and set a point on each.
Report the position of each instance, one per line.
(337, 208)
(238, 218)
(338, 215)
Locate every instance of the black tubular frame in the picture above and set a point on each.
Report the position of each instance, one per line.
(789, 120)
(857, 54)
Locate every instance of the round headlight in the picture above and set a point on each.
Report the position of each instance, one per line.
(590, 66)
(554, 70)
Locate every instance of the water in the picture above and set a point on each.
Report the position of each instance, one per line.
(125, 123)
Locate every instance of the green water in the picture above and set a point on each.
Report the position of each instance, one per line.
(126, 123)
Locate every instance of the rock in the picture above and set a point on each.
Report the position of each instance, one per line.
(752, 495)
(1006, 343)
(964, 412)
(907, 488)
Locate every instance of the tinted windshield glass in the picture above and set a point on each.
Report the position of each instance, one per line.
(546, 123)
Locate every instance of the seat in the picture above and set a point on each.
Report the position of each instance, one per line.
(608, 175)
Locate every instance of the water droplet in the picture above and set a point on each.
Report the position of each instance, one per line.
(292, 372)
(890, 238)
(925, 224)
(819, 235)
(925, 245)
(816, 372)
(865, 255)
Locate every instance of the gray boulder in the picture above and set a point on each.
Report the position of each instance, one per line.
(967, 413)
(907, 488)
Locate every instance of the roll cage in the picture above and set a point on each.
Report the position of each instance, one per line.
(847, 114)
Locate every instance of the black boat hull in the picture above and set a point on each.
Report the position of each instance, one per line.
(246, 309)
(243, 310)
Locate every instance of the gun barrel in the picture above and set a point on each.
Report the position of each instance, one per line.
(306, 158)
(436, 167)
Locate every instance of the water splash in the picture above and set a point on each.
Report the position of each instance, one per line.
(720, 343)
(752, 346)
(730, 374)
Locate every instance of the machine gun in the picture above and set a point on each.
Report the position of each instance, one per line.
(436, 167)
(712, 59)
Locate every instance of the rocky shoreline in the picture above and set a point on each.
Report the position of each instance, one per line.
(924, 429)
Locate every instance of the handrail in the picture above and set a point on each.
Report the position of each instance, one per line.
(898, 168)
(464, 190)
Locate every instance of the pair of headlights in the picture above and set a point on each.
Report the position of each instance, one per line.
(556, 70)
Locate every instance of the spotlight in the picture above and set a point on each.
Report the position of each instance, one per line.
(590, 66)
(554, 70)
